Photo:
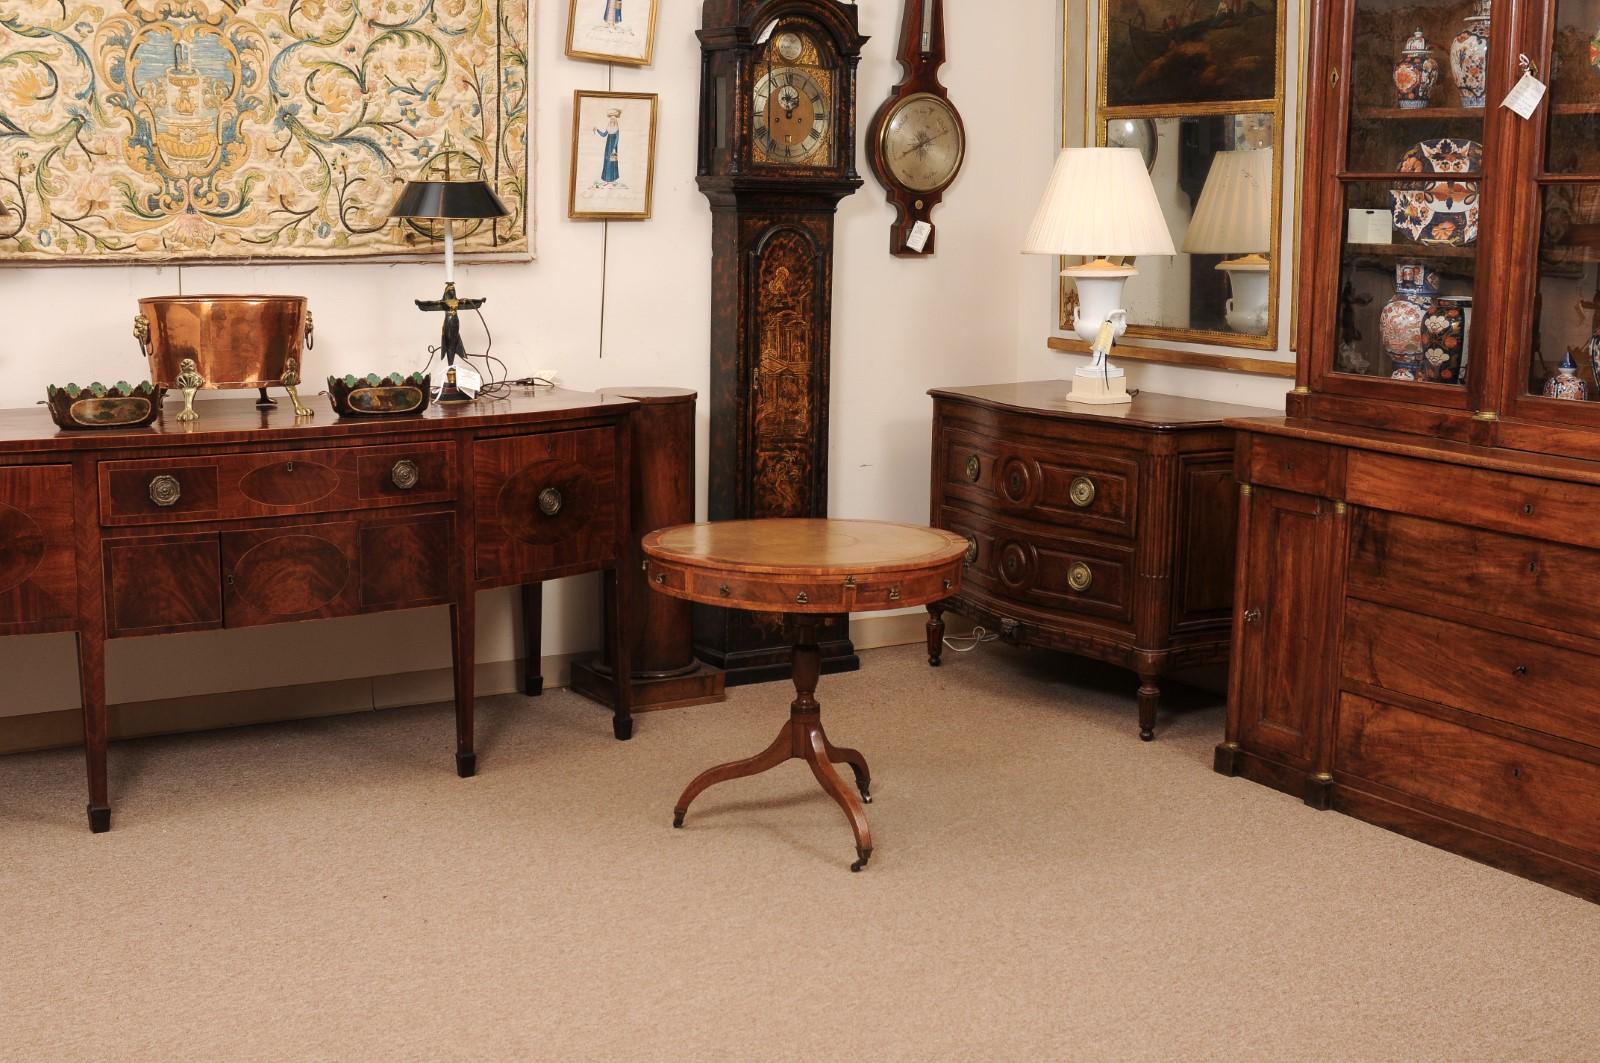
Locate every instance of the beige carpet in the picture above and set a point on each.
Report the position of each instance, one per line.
(1045, 887)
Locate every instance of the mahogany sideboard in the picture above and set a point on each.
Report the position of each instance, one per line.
(1105, 531)
(247, 517)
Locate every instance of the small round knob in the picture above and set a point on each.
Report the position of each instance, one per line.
(165, 490)
(550, 501)
(974, 468)
(972, 549)
(405, 474)
(1082, 492)
(1252, 615)
(1080, 576)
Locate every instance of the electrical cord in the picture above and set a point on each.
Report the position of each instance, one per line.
(979, 636)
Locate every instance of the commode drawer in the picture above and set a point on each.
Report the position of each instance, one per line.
(1092, 490)
(271, 483)
(1398, 558)
(1077, 576)
(1523, 682)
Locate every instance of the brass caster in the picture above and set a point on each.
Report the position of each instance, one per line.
(677, 817)
(859, 865)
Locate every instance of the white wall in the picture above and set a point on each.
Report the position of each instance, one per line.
(900, 327)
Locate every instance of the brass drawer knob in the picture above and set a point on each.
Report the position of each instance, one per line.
(1080, 577)
(405, 474)
(1082, 492)
(972, 549)
(974, 468)
(550, 501)
(1252, 615)
(165, 490)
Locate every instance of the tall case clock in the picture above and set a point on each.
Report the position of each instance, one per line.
(777, 154)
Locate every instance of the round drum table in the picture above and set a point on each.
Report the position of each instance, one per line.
(804, 568)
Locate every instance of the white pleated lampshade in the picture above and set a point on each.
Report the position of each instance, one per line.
(1100, 203)
(1234, 215)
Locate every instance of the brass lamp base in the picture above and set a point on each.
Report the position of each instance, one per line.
(450, 392)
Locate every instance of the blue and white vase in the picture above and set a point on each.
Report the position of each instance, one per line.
(1566, 384)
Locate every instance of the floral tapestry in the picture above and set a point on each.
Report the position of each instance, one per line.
(195, 130)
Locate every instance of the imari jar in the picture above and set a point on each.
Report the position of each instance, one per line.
(1566, 384)
(1469, 56)
(1417, 72)
(1444, 338)
(1400, 322)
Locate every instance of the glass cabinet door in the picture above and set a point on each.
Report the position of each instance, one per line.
(1413, 163)
(1563, 350)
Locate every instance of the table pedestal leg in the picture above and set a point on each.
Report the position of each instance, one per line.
(802, 738)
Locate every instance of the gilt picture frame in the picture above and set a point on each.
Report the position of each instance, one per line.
(612, 31)
(613, 162)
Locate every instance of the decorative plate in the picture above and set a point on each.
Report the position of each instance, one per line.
(374, 396)
(1444, 211)
(119, 406)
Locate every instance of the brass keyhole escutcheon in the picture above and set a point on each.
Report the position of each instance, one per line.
(1527, 510)
(1080, 576)
(1082, 492)
(405, 474)
(974, 468)
(972, 549)
(289, 467)
(550, 501)
(165, 491)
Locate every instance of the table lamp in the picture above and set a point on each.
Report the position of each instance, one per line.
(1234, 217)
(449, 201)
(1100, 205)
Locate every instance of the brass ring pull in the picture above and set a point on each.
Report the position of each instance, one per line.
(165, 491)
(974, 468)
(405, 474)
(802, 598)
(1080, 577)
(550, 501)
(1082, 492)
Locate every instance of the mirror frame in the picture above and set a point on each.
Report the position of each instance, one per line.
(1095, 47)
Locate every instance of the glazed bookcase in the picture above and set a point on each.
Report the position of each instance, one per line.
(1416, 635)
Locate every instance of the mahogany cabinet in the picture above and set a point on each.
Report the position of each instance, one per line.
(249, 517)
(1416, 640)
(1102, 531)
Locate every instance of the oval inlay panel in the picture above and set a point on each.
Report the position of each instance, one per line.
(291, 574)
(289, 483)
(21, 547)
(521, 516)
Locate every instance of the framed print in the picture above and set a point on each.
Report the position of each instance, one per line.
(613, 155)
(1178, 54)
(612, 31)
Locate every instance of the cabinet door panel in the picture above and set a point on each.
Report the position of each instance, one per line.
(161, 584)
(300, 572)
(1208, 532)
(1284, 641)
(406, 563)
(544, 503)
(38, 579)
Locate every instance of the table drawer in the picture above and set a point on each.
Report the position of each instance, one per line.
(1091, 490)
(1517, 681)
(545, 503)
(1544, 794)
(1520, 505)
(269, 483)
(1400, 558)
(1075, 576)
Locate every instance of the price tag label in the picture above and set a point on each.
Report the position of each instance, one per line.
(468, 379)
(1526, 94)
(918, 239)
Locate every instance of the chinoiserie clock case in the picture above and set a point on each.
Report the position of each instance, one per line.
(777, 154)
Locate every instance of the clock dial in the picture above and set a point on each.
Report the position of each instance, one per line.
(792, 118)
(923, 143)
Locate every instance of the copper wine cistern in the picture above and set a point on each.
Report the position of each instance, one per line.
(196, 342)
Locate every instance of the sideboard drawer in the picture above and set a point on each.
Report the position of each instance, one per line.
(1092, 490)
(1519, 681)
(1544, 794)
(269, 483)
(1077, 576)
(545, 503)
(296, 572)
(1521, 505)
(157, 584)
(38, 575)
(1399, 558)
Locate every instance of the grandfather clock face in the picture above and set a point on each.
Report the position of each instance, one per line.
(793, 109)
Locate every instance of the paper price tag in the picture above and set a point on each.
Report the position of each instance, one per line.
(1525, 95)
(918, 238)
(468, 379)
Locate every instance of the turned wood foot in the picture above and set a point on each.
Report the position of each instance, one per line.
(1149, 702)
(935, 634)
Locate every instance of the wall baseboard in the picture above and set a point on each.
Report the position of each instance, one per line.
(340, 697)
